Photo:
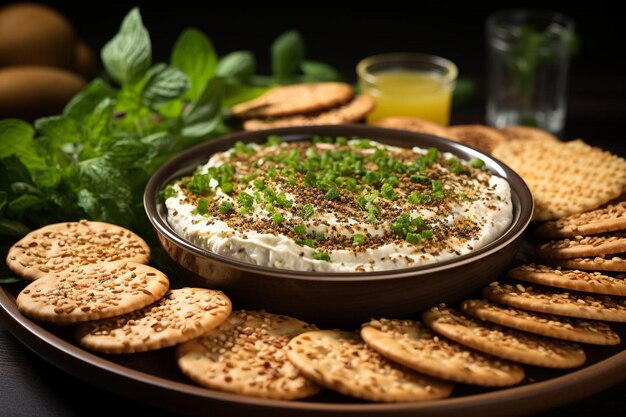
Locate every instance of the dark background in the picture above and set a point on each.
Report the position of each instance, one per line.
(341, 35)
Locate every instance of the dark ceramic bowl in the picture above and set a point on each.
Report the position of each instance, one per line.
(337, 299)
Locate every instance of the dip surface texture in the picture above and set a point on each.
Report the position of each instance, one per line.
(339, 205)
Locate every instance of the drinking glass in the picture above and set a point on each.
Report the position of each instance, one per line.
(528, 59)
(408, 84)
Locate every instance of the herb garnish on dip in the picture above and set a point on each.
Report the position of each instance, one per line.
(339, 204)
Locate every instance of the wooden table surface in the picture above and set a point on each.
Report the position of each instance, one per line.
(29, 386)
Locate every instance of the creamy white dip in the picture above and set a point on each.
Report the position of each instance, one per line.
(475, 210)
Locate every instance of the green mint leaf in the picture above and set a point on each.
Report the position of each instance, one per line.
(13, 228)
(3, 199)
(125, 151)
(25, 202)
(59, 130)
(86, 101)
(287, 55)
(97, 123)
(128, 55)
(195, 56)
(205, 113)
(16, 138)
(164, 84)
(238, 65)
(316, 71)
(236, 93)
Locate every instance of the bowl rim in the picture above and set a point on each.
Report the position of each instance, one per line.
(181, 164)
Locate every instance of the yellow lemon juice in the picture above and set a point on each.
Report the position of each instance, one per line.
(410, 93)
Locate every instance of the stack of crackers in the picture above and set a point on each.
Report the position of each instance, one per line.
(328, 103)
(93, 275)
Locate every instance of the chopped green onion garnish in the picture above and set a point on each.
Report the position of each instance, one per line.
(284, 201)
(321, 256)
(358, 239)
(332, 194)
(300, 230)
(227, 187)
(202, 207)
(226, 207)
(307, 211)
(414, 238)
(273, 140)
(477, 163)
(277, 218)
(245, 200)
(319, 236)
(169, 192)
(387, 191)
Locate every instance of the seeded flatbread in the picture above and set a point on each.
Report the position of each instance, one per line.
(295, 99)
(414, 124)
(415, 346)
(92, 292)
(592, 332)
(350, 112)
(247, 355)
(342, 362)
(561, 303)
(179, 316)
(60, 246)
(594, 282)
(583, 246)
(615, 263)
(611, 218)
(503, 342)
(482, 137)
(526, 133)
(565, 178)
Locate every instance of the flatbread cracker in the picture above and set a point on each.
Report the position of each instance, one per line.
(342, 362)
(247, 355)
(503, 342)
(414, 124)
(526, 133)
(92, 292)
(415, 346)
(614, 263)
(482, 137)
(295, 99)
(181, 315)
(575, 280)
(611, 218)
(565, 178)
(582, 331)
(56, 247)
(350, 112)
(561, 303)
(584, 246)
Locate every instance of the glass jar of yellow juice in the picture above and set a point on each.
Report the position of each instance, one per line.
(408, 84)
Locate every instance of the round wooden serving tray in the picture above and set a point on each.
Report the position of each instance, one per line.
(153, 378)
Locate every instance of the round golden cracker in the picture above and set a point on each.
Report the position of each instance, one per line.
(593, 282)
(503, 342)
(414, 124)
(565, 178)
(92, 292)
(350, 112)
(614, 263)
(526, 133)
(481, 137)
(584, 246)
(56, 247)
(561, 303)
(342, 362)
(179, 316)
(611, 218)
(591, 332)
(415, 346)
(247, 355)
(295, 99)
